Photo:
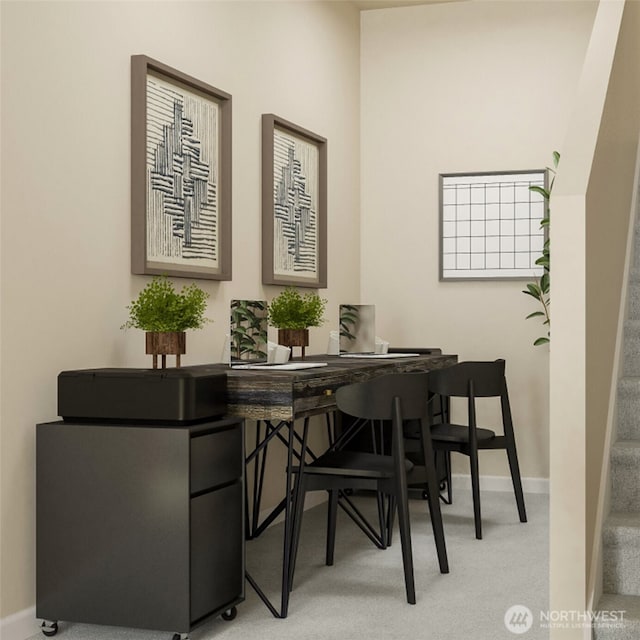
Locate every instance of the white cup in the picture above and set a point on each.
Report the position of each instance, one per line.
(281, 355)
(333, 348)
(382, 346)
(226, 350)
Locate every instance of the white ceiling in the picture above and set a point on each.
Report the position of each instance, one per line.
(365, 5)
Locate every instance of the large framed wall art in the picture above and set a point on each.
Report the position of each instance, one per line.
(180, 174)
(294, 205)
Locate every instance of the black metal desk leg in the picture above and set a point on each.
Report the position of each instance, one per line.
(288, 520)
(285, 505)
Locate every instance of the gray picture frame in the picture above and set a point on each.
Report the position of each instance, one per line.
(441, 235)
(142, 67)
(270, 276)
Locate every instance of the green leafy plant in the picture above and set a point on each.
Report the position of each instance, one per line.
(248, 329)
(540, 289)
(290, 310)
(159, 307)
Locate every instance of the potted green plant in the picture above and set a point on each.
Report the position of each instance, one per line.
(292, 314)
(165, 315)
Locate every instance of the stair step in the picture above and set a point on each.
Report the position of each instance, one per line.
(634, 299)
(621, 554)
(634, 276)
(631, 348)
(636, 248)
(629, 621)
(625, 476)
(628, 408)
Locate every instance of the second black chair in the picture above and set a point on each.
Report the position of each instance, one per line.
(473, 380)
(397, 398)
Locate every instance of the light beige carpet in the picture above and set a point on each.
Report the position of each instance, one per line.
(362, 596)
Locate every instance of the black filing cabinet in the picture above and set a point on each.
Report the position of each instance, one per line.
(140, 525)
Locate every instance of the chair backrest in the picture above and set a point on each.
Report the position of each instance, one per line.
(487, 377)
(373, 399)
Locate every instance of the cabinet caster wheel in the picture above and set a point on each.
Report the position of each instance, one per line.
(229, 614)
(425, 495)
(49, 629)
(180, 636)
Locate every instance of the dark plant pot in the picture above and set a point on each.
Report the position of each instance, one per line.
(165, 343)
(294, 338)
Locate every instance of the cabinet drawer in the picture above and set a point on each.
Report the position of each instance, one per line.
(217, 550)
(216, 458)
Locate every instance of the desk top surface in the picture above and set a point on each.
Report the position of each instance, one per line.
(272, 394)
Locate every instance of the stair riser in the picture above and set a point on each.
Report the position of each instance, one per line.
(621, 569)
(625, 480)
(632, 350)
(628, 411)
(636, 249)
(634, 301)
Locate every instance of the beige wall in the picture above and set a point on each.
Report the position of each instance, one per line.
(65, 189)
(472, 86)
(608, 209)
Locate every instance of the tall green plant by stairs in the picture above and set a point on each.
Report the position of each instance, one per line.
(540, 289)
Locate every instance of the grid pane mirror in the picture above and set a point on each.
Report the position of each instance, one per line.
(490, 225)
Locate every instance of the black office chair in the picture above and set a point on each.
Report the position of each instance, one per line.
(379, 441)
(397, 398)
(473, 380)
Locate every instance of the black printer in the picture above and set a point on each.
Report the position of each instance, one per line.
(167, 396)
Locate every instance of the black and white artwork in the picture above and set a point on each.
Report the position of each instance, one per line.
(182, 176)
(294, 205)
(490, 225)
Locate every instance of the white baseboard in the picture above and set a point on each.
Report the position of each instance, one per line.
(20, 625)
(501, 483)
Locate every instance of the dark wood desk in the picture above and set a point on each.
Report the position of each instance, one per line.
(289, 395)
(276, 399)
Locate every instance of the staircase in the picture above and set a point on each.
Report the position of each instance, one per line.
(621, 532)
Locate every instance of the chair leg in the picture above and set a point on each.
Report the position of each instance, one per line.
(298, 511)
(433, 496)
(447, 462)
(391, 518)
(405, 541)
(475, 488)
(402, 496)
(382, 519)
(517, 482)
(436, 521)
(331, 525)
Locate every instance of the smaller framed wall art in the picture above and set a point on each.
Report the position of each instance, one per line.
(490, 225)
(294, 205)
(180, 174)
